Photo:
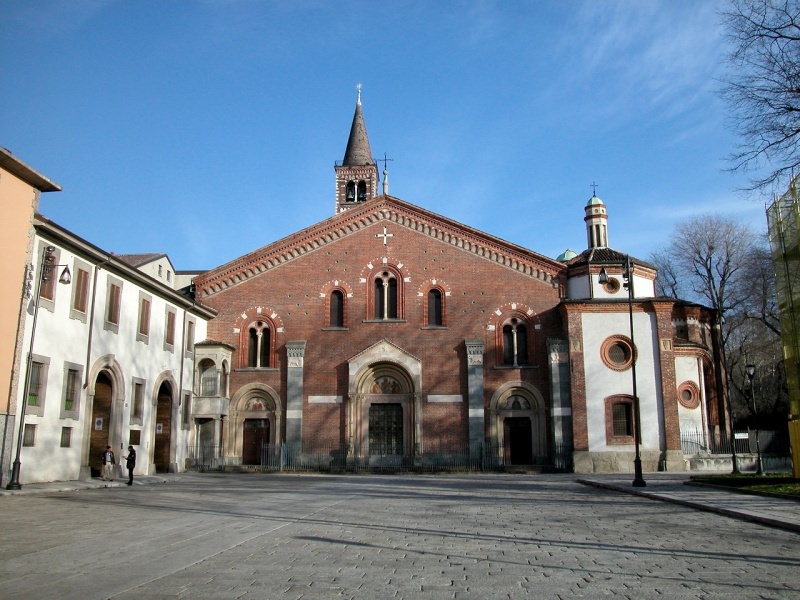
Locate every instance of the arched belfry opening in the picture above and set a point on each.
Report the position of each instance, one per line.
(383, 407)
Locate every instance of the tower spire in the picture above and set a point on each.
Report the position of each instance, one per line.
(358, 151)
(357, 175)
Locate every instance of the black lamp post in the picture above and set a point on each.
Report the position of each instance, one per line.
(45, 270)
(751, 373)
(638, 479)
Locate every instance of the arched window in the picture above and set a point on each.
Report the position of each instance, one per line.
(350, 194)
(362, 190)
(337, 309)
(258, 348)
(435, 308)
(223, 382)
(209, 382)
(515, 343)
(386, 296)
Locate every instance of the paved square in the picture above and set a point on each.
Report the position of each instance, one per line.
(295, 536)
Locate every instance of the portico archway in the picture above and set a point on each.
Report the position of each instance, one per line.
(518, 424)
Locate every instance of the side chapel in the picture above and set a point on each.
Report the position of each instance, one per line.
(389, 330)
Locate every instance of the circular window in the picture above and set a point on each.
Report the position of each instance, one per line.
(689, 394)
(617, 352)
(612, 286)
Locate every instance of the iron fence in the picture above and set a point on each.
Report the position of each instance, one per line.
(430, 458)
(698, 442)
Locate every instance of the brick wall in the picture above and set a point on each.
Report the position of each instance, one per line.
(293, 295)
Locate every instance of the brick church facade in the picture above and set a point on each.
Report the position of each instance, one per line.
(390, 331)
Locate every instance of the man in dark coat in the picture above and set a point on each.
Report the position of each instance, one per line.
(130, 463)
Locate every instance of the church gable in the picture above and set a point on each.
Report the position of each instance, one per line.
(390, 213)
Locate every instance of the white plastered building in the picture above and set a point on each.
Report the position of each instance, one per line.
(112, 363)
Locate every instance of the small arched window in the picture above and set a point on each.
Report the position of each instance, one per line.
(435, 308)
(209, 382)
(362, 190)
(515, 343)
(385, 296)
(258, 350)
(223, 381)
(336, 309)
(350, 193)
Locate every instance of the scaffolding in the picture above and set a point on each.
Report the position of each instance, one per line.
(783, 221)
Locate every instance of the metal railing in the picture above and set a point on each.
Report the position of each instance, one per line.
(699, 443)
(439, 458)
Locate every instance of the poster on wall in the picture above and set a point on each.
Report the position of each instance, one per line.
(98, 424)
(159, 428)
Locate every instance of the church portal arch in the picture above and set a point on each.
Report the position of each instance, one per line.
(518, 424)
(383, 407)
(254, 425)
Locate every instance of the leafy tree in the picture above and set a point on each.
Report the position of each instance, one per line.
(762, 87)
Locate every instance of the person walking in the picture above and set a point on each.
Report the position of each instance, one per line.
(108, 464)
(130, 463)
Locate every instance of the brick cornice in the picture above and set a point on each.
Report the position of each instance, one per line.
(381, 209)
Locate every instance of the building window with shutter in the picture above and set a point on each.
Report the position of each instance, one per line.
(113, 305)
(72, 391)
(143, 330)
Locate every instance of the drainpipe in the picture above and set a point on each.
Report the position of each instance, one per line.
(91, 321)
(182, 357)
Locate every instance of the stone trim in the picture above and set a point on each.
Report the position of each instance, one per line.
(368, 214)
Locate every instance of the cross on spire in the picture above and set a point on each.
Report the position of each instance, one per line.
(385, 174)
(594, 188)
(384, 235)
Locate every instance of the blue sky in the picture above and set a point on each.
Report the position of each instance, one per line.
(208, 128)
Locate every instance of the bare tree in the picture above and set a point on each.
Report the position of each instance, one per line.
(722, 264)
(762, 301)
(708, 257)
(668, 281)
(762, 87)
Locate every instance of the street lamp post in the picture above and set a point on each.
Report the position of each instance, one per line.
(750, 370)
(45, 270)
(638, 479)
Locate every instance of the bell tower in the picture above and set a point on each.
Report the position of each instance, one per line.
(596, 220)
(357, 175)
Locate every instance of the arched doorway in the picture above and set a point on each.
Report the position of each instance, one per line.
(384, 412)
(255, 438)
(163, 436)
(384, 374)
(100, 435)
(518, 441)
(518, 425)
(254, 426)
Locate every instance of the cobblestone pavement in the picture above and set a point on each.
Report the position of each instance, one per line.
(290, 536)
